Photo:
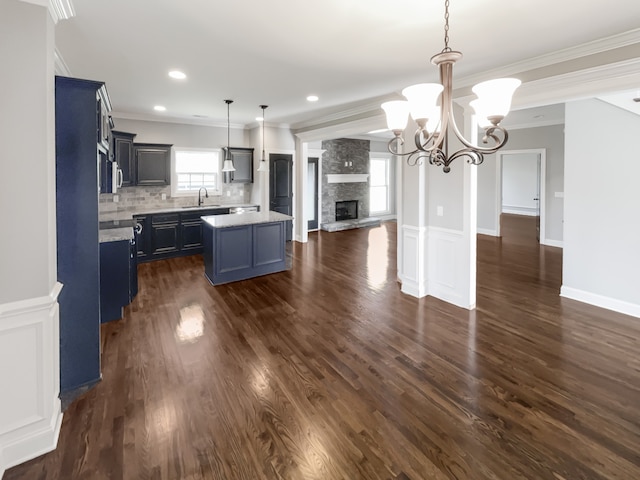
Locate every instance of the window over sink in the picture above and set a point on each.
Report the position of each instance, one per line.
(193, 169)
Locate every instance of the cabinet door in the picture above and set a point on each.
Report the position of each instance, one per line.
(243, 163)
(114, 279)
(164, 234)
(152, 164)
(123, 156)
(191, 235)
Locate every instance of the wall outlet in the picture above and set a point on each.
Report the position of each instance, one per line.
(440, 210)
(116, 198)
(164, 196)
(228, 193)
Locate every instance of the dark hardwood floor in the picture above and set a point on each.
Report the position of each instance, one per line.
(328, 372)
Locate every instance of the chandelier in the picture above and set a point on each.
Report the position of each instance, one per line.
(431, 137)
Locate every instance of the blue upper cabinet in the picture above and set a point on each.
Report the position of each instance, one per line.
(80, 144)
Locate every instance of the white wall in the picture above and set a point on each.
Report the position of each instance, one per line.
(601, 261)
(551, 138)
(30, 413)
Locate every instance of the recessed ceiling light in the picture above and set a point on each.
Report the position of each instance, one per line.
(159, 108)
(177, 74)
(312, 98)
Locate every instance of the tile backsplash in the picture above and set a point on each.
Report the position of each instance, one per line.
(133, 199)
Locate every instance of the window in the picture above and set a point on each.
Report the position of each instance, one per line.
(194, 169)
(379, 186)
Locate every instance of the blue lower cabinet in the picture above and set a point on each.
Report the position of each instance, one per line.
(242, 252)
(114, 279)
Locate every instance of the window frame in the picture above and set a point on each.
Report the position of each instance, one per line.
(194, 193)
(388, 180)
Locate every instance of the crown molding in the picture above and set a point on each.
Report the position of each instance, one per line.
(613, 42)
(58, 9)
(202, 122)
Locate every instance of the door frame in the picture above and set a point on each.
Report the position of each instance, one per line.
(315, 191)
(542, 180)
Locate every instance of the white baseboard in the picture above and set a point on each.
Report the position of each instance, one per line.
(486, 231)
(601, 301)
(552, 243)
(30, 411)
(516, 210)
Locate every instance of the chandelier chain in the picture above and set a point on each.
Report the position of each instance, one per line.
(446, 27)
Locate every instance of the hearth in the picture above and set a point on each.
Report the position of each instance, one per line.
(346, 210)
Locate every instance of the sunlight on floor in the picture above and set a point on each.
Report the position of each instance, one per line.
(377, 261)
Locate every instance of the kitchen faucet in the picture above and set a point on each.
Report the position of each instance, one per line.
(206, 194)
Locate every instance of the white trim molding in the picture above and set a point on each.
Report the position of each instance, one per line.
(58, 9)
(446, 271)
(347, 177)
(609, 303)
(30, 410)
(414, 280)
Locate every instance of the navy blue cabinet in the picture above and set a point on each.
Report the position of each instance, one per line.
(118, 278)
(152, 164)
(122, 152)
(114, 279)
(243, 251)
(170, 234)
(79, 143)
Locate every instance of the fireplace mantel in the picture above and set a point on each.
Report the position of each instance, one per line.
(347, 177)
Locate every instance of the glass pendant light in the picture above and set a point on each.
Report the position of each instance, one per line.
(227, 165)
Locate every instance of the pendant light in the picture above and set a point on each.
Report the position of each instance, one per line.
(263, 163)
(227, 166)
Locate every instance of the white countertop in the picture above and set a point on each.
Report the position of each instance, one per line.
(115, 234)
(247, 218)
(128, 214)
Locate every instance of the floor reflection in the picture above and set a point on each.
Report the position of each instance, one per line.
(377, 258)
(191, 326)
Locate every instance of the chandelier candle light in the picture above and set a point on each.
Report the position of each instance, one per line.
(227, 165)
(491, 106)
(263, 163)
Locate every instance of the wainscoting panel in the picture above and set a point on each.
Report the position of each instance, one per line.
(30, 414)
(446, 271)
(414, 281)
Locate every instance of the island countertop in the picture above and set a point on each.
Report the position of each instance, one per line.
(247, 218)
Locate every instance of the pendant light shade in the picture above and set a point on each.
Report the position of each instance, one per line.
(227, 165)
(263, 163)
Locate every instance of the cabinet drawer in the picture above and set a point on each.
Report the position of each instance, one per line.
(165, 218)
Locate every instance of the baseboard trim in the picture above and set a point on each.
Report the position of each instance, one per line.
(553, 243)
(32, 445)
(486, 231)
(609, 303)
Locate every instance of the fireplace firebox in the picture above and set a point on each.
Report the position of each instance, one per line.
(346, 210)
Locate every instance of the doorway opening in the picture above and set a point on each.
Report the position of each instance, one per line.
(521, 188)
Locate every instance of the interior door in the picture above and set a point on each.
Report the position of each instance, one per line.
(311, 202)
(281, 186)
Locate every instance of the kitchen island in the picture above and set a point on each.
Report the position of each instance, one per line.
(242, 246)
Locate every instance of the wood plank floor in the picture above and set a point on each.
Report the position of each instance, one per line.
(328, 372)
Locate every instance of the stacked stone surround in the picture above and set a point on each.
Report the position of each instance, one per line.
(356, 154)
(139, 199)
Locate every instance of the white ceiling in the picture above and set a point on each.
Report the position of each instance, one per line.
(348, 52)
